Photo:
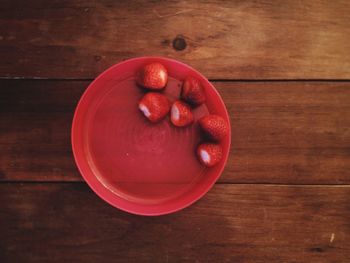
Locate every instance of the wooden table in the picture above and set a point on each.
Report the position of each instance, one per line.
(283, 70)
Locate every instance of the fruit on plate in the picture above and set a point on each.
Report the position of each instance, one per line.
(153, 76)
(193, 92)
(214, 126)
(154, 106)
(209, 154)
(181, 114)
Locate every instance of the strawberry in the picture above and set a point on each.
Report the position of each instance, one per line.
(193, 92)
(181, 114)
(209, 154)
(214, 126)
(153, 76)
(155, 106)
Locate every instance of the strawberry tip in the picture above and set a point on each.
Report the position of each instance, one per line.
(175, 113)
(144, 109)
(205, 156)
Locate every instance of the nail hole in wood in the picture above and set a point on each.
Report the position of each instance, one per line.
(179, 43)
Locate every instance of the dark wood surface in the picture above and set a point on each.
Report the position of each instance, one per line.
(224, 39)
(282, 132)
(283, 70)
(53, 222)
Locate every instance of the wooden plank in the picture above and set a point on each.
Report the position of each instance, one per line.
(288, 132)
(222, 39)
(232, 223)
(35, 124)
(282, 132)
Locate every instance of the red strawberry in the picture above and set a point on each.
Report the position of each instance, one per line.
(193, 92)
(209, 153)
(153, 76)
(181, 114)
(155, 106)
(214, 126)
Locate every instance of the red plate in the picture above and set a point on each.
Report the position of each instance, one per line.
(137, 166)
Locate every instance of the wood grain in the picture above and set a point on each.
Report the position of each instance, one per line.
(233, 223)
(282, 132)
(222, 39)
(35, 124)
(288, 132)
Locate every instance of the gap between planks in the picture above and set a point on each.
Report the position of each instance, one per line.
(217, 183)
(213, 80)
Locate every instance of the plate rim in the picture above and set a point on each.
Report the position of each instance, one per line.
(95, 187)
